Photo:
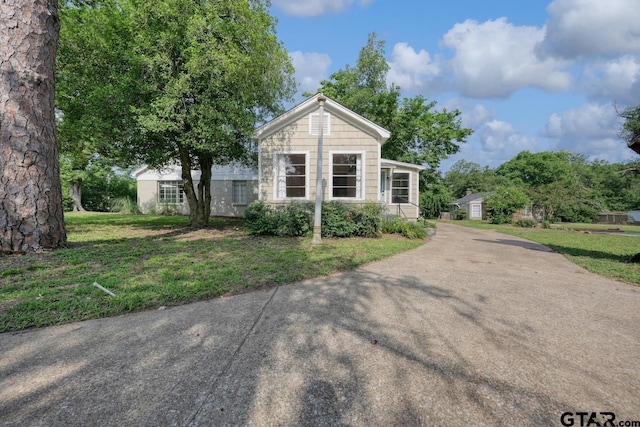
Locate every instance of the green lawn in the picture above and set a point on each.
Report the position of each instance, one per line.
(153, 261)
(608, 255)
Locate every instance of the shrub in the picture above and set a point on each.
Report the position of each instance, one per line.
(526, 223)
(341, 220)
(410, 230)
(504, 202)
(259, 219)
(291, 219)
(294, 219)
(337, 220)
(367, 219)
(124, 205)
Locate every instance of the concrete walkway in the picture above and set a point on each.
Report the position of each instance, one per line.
(472, 328)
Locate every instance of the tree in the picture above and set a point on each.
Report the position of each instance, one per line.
(195, 78)
(535, 169)
(560, 183)
(435, 199)
(630, 131)
(31, 216)
(465, 175)
(419, 134)
(103, 186)
(504, 202)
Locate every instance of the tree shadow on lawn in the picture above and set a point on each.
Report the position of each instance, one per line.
(588, 253)
(564, 250)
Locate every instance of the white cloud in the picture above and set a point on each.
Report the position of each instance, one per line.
(592, 27)
(493, 144)
(618, 79)
(315, 7)
(592, 130)
(499, 136)
(473, 115)
(591, 121)
(311, 67)
(409, 69)
(495, 58)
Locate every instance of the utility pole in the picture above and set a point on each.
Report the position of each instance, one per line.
(317, 221)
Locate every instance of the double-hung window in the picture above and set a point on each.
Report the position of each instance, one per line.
(239, 192)
(346, 175)
(170, 192)
(400, 188)
(291, 175)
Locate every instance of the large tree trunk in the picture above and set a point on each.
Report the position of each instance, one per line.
(204, 189)
(31, 216)
(199, 201)
(75, 191)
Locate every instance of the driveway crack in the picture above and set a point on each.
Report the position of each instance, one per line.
(232, 358)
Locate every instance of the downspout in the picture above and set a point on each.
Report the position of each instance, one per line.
(317, 221)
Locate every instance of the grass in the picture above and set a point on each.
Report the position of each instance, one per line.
(608, 255)
(154, 261)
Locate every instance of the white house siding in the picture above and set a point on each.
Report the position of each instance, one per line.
(221, 189)
(343, 137)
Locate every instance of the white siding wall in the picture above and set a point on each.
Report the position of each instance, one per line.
(221, 189)
(343, 137)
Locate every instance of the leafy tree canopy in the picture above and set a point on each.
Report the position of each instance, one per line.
(630, 131)
(419, 134)
(534, 169)
(173, 81)
(504, 202)
(465, 175)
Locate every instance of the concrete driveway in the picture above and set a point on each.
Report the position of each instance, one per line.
(472, 328)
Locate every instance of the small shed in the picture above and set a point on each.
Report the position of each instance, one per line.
(473, 205)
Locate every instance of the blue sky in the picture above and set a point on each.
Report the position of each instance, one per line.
(532, 75)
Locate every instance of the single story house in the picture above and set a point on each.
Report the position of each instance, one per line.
(352, 168)
(472, 204)
(474, 207)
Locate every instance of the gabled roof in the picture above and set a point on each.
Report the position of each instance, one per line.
(470, 198)
(330, 106)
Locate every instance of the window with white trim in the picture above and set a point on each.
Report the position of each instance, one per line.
(314, 122)
(170, 192)
(346, 175)
(291, 179)
(400, 188)
(239, 192)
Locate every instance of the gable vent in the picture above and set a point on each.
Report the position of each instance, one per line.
(314, 120)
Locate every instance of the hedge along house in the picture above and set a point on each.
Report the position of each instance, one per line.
(353, 171)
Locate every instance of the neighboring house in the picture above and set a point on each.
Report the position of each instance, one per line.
(353, 171)
(473, 205)
(233, 188)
